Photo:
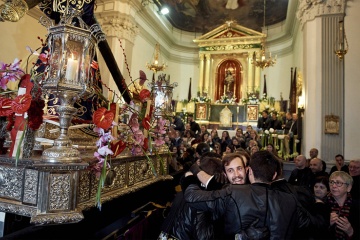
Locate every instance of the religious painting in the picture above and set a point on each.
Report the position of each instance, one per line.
(252, 112)
(201, 111)
(332, 124)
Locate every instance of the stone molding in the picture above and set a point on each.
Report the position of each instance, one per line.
(115, 24)
(309, 9)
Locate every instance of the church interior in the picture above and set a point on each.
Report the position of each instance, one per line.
(224, 62)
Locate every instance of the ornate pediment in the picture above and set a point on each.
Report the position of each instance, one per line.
(230, 36)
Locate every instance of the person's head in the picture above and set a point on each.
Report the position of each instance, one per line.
(204, 137)
(211, 163)
(321, 187)
(214, 133)
(263, 167)
(294, 116)
(316, 165)
(339, 160)
(265, 114)
(354, 167)
(313, 153)
(270, 147)
(239, 132)
(252, 143)
(203, 128)
(274, 116)
(300, 162)
(254, 149)
(174, 149)
(189, 134)
(190, 151)
(253, 134)
(249, 128)
(235, 141)
(177, 134)
(235, 168)
(229, 148)
(288, 116)
(225, 134)
(187, 126)
(202, 148)
(190, 117)
(167, 139)
(340, 184)
(217, 147)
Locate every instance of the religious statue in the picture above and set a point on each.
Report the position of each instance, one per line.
(229, 79)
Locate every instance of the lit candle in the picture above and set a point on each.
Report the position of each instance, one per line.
(71, 69)
(341, 31)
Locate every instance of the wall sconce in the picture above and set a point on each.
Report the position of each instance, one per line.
(301, 103)
(342, 47)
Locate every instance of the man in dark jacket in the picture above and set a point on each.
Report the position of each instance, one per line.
(264, 121)
(178, 124)
(242, 206)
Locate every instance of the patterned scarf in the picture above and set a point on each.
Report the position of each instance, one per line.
(343, 211)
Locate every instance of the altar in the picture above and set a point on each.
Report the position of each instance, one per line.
(212, 115)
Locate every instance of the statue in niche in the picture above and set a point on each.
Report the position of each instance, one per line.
(228, 82)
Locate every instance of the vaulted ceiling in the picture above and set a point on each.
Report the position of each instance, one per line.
(205, 15)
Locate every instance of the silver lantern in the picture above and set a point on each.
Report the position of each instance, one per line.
(69, 77)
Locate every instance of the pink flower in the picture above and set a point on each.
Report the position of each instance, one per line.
(159, 141)
(105, 151)
(139, 137)
(133, 122)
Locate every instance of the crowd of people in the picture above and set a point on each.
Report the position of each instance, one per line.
(231, 189)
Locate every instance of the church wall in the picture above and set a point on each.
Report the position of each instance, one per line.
(16, 36)
(352, 83)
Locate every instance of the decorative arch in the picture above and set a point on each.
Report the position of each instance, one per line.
(235, 67)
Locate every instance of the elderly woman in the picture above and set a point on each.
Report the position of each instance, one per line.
(345, 213)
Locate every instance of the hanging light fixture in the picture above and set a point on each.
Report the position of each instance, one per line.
(262, 61)
(155, 65)
(343, 43)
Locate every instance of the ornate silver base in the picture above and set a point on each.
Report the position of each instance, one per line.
(61, 154)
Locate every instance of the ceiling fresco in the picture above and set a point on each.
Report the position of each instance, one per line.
(205, 15)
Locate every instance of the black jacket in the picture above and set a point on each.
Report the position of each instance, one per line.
(191, 223)
(241, 205)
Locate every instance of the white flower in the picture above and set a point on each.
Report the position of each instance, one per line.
(266, 131)
(281, 137)
(271, 130)
(267, 106)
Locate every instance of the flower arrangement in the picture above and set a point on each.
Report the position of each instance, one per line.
(252, 99)
(226, 99)
(267, 137)
(201, 99)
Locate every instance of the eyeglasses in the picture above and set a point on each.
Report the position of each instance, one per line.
(338, 184)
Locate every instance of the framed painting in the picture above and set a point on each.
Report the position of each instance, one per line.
(201, 111)
(332, 124)
(252, 112)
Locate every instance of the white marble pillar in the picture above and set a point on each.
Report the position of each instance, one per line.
(120, 29)
(202, 71)
(323, 76)
(207, 72)
(250, 75)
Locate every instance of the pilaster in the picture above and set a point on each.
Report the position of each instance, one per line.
(120, 29)
(323, 76)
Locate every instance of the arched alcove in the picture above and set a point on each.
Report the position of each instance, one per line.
(235, 67)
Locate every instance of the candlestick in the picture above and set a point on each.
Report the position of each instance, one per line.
(71, 69)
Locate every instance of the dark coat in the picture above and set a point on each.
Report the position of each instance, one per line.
(241, 205)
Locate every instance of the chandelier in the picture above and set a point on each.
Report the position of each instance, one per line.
(262, 61)
(343, 43)
(155, 65)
